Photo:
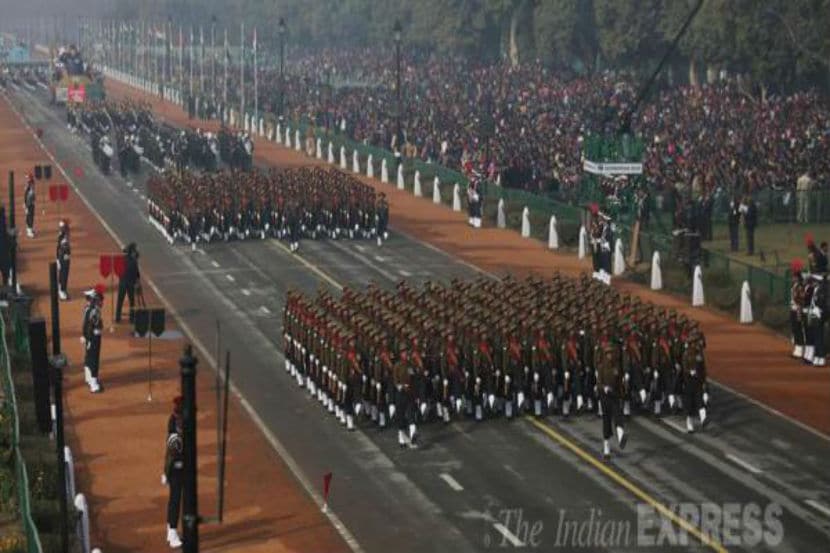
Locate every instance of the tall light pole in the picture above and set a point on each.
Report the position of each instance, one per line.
(168, 52)
(397, 32)
(281, 31)
(213, 57)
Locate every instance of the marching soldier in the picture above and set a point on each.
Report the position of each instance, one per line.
(29, 203)
(609, 382)
(382, 219)
(62, 257)
(404, 400)
(92, 330)
(694, 378)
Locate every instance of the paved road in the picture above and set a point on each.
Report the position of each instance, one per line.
(469, 484)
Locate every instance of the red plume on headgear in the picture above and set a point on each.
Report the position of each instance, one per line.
(796, 266)
(808, 239)
(100, 289)
(594, 207)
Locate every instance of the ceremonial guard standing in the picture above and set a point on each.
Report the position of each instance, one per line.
(62, 255)
(92, 330)
(172, 475)
(797, 306)
(816, 317)
(29, 204)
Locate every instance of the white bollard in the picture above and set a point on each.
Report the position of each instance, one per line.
(70, 471)
(583, 242)
(746, 305)
(456, 198)
(343, 157)
(355, 162)
(330, 157)
(287, 137)
(298, 144)
(247, 125)
(501, 218)
(271, 133)
(279, 133)
(553, 234)
(416, 186)
(319, 149)
(370, 167)
(384, 172)
(697, 288)
(83, 524)
(401, 184)
(619, 260)
(261, 126)
(436, 190)
(656, 272)
(525, 223)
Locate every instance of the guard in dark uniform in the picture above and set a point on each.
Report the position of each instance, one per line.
(29, 204)
(173, 470)
(128, 282)
(92, 331)
(382, 219)
(797, 309)
(62, 256)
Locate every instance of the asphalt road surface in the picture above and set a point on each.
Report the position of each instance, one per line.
(523, 484)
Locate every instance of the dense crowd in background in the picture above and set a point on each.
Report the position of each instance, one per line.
(528, 124)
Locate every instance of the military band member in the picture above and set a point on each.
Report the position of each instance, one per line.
(63, 252)
(29, 197)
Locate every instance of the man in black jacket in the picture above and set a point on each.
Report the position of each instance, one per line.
(128, 282)
(750, 212)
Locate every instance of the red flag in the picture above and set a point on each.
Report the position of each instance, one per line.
(79, 172)
(119, 265)
(326, 488)
(63, 192)
(53, 192)
(105, 265)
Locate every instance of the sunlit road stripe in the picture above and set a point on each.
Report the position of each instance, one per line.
(818, 507)
(677, 426)
(740, 462)
(627, 484)
(246, 292)
(311, 266)
(230, 277)
(508, 535)
(214, 263)
(451, 482)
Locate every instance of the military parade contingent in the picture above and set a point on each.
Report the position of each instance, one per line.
(484, 348)
(311, 203)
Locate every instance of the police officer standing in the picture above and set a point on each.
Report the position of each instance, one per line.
(62, 255)
(29, 204)
(172, 475)
(128, 282)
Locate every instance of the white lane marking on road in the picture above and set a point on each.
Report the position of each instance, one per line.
(677, 426)
(265, 310)
(310, 489)
(451, 482)
(740, 462)
(230, 277)
(246, 292)
(380, 259)
(818, 507)
(360, 248)
(404, 273)
(143, 197)
(508, 535)
(214, 263)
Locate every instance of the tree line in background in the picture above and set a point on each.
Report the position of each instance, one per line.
(776, 44)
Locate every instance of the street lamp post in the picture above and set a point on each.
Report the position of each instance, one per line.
(281, 30)
(397, 30)
(213, 57)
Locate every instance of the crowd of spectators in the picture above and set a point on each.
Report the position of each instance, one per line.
(528, 124)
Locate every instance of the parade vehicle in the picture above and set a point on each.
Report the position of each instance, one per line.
(73, 80)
